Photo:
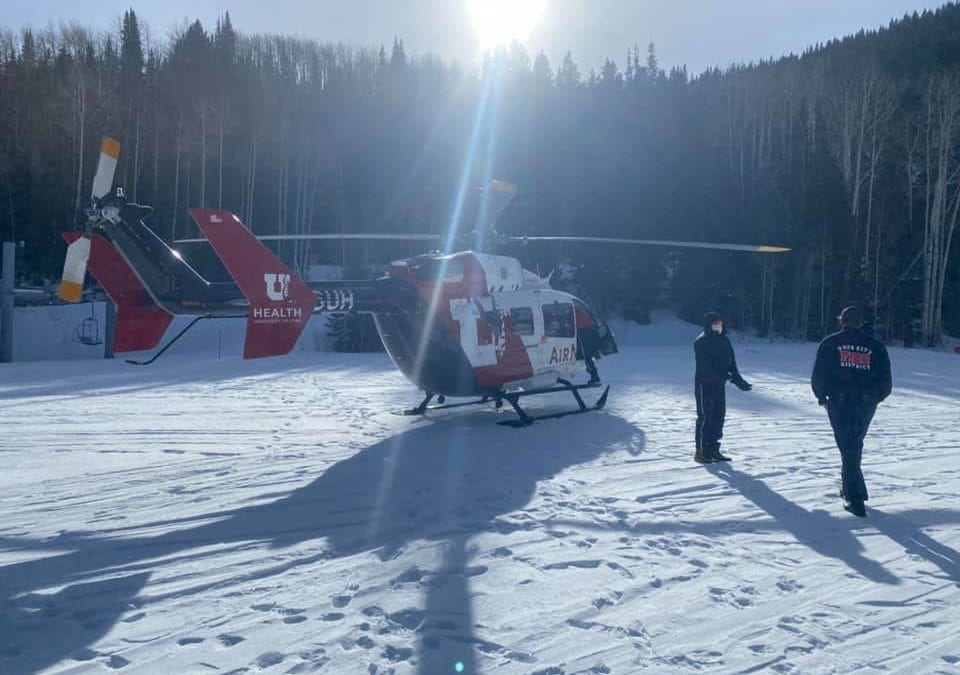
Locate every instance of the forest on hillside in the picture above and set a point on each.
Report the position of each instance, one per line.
(848, 153)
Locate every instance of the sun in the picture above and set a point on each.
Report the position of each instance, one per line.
(500, 22)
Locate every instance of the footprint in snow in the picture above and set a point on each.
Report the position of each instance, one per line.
(411, 575)
(617, 567)
(85, 655)
(230, 640)
(583, 564)
(183, 642)
(397, 654)
(475, 571)
(116, 662)
(789, 585)
(264, 607)
(407, 619)
(269, 659)
(732, 597)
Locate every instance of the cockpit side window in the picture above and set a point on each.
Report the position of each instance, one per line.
(558, 320)
(521, 319)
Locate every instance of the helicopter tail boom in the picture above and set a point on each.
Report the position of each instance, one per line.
(141, 324)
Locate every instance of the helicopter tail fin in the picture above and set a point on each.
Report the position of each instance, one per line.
(280, 303)
(141, 324)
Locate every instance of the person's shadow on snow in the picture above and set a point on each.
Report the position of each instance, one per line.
(818, 530)
(897, 526)
(443, 481)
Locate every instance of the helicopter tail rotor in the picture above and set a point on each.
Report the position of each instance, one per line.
(78, 252)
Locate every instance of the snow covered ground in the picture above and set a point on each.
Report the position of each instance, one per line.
(213, 516)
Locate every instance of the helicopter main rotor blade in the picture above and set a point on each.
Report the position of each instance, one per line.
(305, 237)
(106, 167)
(660, 242)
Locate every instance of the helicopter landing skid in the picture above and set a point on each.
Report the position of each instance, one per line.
(424, 406)
(525, 420)
(513, 398)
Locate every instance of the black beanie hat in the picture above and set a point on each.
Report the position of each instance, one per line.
(709, 318)
(851, 316)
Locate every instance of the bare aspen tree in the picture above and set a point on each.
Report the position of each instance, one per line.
(942, 196)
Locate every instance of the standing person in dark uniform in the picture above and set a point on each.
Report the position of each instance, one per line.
(588, 340)
(716, 364)
(850, 377)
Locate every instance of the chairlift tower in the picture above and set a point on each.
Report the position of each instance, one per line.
(6, 302)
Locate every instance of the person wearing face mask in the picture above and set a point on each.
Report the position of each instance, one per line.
(716, 364)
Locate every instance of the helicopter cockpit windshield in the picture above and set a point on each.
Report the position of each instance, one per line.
(446, 269)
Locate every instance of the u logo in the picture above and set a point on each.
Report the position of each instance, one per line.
(277, 286)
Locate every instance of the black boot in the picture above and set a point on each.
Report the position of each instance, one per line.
(717, 456)
(592, 369)
(855, 507)
(700, 457)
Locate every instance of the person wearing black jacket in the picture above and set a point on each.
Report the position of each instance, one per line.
(851, 376)
(716, 364)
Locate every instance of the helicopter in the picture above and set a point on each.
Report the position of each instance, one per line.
(468, 324)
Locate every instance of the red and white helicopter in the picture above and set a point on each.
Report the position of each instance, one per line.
(467, 324)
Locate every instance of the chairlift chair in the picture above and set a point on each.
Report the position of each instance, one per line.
(88, 330)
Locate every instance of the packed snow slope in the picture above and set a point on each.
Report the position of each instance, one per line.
(205, 516)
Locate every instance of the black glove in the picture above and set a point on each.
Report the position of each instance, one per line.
(822, 401)
(742, 384)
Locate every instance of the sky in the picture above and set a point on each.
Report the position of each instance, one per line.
(697, 33)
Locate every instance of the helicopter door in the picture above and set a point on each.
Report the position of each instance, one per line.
(477, 338)
(524, 325)
(558, 346)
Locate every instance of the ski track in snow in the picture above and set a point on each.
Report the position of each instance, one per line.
(227, 517)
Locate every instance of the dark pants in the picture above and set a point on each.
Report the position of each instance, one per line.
(711, 412)
(588, 348)
(850, 422)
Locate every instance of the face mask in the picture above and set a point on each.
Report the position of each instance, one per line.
(717, 326)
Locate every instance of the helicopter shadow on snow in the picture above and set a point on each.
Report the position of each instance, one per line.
(116, 378)
(445, 480)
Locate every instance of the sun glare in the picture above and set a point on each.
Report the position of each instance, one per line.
(500, 22)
